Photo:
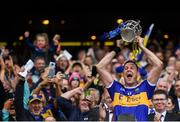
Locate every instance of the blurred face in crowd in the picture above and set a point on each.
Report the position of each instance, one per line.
(177, 88)
(121, 59)
(172, 61)
(170, 69)
(65, 85)
(84, 104)
(39, 64)
(162, 85)
(168, 54)
(81, 54)
(63, 63)
(7, 61)
(35, 107)
(177, 65)
(95, 95)
(160, 56)
(77, 68)
(130, 74)
(75, 83)
(40, 42)
(159, 102)
(100, 54)
(88, 61)
(169, 105)
(177, 53)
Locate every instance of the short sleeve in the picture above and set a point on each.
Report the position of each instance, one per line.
(113, 87)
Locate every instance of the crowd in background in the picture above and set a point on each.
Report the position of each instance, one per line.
(72, 93)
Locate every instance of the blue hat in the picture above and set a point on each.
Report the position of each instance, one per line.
(34, 97)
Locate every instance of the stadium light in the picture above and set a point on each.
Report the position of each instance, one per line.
(21, 38)
(45, 22)
(93, 37)
(119, 21)
(166, 36)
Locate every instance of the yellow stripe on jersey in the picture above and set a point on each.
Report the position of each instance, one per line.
(131, 101)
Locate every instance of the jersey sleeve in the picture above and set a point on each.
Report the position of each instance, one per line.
(149, 87)
(113, 87)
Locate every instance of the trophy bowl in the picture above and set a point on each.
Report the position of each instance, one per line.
(129, 30)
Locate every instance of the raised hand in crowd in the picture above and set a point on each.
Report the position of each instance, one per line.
(56, 39)
(8, 104)
(71, 93)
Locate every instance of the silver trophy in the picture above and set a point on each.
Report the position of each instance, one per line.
(130, 29)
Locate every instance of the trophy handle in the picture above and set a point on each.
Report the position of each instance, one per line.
(130, 29)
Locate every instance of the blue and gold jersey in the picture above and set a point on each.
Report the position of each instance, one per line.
(131, 101)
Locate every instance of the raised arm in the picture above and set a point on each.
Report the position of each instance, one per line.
(105, 76)
(157, 64)
(71, 93)
(28, 42)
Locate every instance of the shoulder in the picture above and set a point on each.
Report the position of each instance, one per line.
(114, 83)
(146, 83)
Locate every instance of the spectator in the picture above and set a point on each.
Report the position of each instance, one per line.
(162, 84)
(62, 63)
(74, 80)
(33, 110)
(170, 104)
(160, 99)
(75, 113)
(41, 47)
(177, 67)
(39, 66)
(177, 93)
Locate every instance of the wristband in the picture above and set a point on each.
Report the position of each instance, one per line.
(117, 49)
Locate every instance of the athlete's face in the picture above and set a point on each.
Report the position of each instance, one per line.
(130, 74)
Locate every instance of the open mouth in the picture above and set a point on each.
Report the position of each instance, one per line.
(129, 74)
(36, 110)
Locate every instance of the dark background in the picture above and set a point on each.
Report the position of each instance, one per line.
(83, 19)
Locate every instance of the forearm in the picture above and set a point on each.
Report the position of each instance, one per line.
(156, 62)
(69, 94)
(58, 90)
(37, 89)
(157, 66)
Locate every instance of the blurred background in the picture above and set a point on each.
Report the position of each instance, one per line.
(79, 22)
